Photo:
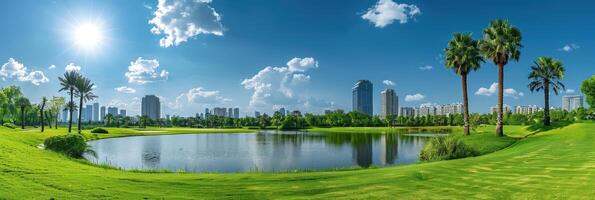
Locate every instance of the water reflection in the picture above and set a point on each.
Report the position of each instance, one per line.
(263, 151)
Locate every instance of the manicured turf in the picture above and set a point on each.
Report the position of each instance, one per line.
(558, 163)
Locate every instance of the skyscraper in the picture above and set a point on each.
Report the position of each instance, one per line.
(123, 113)
(95, 112)
(89, 113)
(221, 112)
(389, 103)
(102, 114)
(236, 112)
(407, 112)
(151, 107)
(282, 111)
(362, 97)
(113, 111)
(230, 112)
(572, 102)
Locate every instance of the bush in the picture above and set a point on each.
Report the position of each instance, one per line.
(99, 130)
(10, 125)
(70, 145)
(446, 148)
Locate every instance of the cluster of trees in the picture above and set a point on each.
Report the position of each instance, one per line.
(76, 85)
(15, 108)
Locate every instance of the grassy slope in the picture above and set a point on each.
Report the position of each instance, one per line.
(555, 164)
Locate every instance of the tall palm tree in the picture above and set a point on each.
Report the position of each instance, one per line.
(68, 83)
(501, 43)
(546, 72)
(84, 90)
(463, 56)
(41, 109)
(22, 102)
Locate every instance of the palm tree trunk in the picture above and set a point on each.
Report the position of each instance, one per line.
(465, 105)
(56, 122)
(41, 120)
(499, 118)
(71, 109)
(80, 114)
(546, 109)
(49, 118)
(22, 117)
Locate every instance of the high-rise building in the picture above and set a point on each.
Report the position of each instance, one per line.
(362, 97)
(113, 111)
(89, 113)
(230, 112)
(102, 113)
(448, 109)
(389, 103)
(505, 108)
(221, 112)
(425, 110)
(282, 111)
(526, 109)
(256, 114)
(95, 112)
(236, 112)
(64, 115)
(572, 102)
(151, 107)
(123, 113)
(207, 113)
(407, 112)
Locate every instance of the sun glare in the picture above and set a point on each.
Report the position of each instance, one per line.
(88, 36)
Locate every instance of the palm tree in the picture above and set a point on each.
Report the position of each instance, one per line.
(68, 83)
(41, 109)
(23, 103)
(501, 43)
(463, 56)
(108, 119)
(546, 72)
(84, 90)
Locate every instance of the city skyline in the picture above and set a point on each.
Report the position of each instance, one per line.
(312, 65)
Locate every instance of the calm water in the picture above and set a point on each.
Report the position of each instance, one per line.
(263, 151)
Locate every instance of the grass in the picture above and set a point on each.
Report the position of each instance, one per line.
(553, 164)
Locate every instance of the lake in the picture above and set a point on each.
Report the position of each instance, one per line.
(264, 151)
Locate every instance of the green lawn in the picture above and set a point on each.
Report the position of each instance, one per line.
(558, 163)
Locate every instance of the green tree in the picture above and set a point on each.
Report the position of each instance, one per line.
(588, 88)
(501, 43)
(84, 91)
(41, 112)
(23, 103)
(56, 103)
(463, 56)
(546, 72)
(68, 83)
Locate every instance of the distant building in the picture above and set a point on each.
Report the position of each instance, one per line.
(296, 113)
(207, 113)
(221, 112)
(572, 102)
(236, 112)
(505, 108)
(102, 113)
(256, 114)
(282, 111)
(448, 109)
(95, 112)
(362, 97)
(526, 110)
(425, 110)
(389, 103)
(64, 115)
(151, 107)
(123, 113)
(407, 112)
(113, 111)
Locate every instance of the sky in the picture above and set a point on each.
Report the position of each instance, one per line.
(302, 55)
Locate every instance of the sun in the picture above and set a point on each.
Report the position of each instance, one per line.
(88, 35)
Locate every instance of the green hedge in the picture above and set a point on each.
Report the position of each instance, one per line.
(99, 130)
(70, 145)
(446, 148)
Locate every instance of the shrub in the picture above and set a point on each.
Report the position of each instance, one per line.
(10, 125)
(446, 148)
(99, 130)
(70, 145)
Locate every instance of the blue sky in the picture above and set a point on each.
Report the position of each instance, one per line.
(316, 50)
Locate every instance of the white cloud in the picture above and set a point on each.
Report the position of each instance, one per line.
(385, 12)
(52, 67)
(427, 67)
(14, 69)
(415, 97)
(132, 106)
(569, 91)
(180, 20)
(125, 89)
(72, 67)
(143, 71)
(282, 86)
(508, 92)
(388, 82)
(198, 95)
(569, 47)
